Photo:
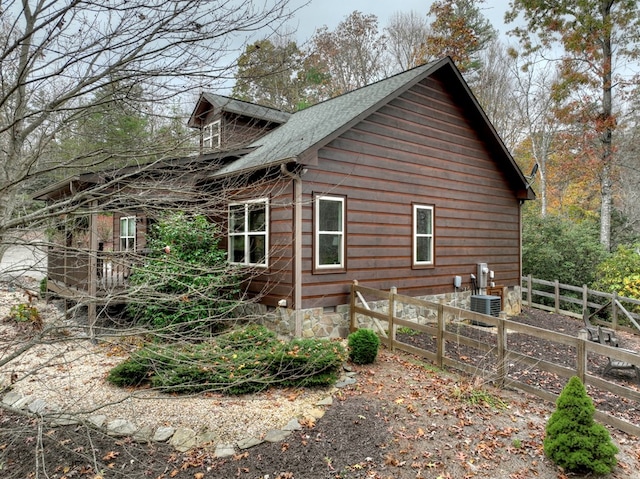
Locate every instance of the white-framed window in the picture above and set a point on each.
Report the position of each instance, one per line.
(329, 232)
(422, 235)
(211, 135)
(249, 232)
(128, 233)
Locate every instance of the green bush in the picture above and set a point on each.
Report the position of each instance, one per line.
(250, 337)
(192, 286)
(238, 362)
(555, 248)
(573, 440)
(25, 313)
(363, 346)
(129, 373)
(306, 362)
(620, 273)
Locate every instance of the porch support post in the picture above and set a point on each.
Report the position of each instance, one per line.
(297, 248)
(93, 267)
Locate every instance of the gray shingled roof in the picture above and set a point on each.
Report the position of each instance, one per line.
(314, 126)
(245, 108)
(233, 105)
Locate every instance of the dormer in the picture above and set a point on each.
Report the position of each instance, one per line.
(226, 123)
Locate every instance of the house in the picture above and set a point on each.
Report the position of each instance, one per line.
(403, 183)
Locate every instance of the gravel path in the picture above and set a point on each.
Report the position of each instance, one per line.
(68, 373)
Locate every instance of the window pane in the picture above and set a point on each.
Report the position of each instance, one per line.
(256, 249)
(236, 218)
(423, 253)
(423, 221)
(330, 215)
(330, 249)
(132, 227)
(257, 218)
(123, 227)
(123, 244)
(237, 249)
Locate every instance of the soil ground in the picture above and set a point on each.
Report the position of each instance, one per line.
(402, 419)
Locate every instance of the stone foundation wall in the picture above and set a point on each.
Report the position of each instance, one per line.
(334, 323)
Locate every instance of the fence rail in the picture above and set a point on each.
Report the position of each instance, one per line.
(497, 352)
(617, 309)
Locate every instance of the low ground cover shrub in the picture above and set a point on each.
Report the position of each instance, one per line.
(25, 313)
(242, 361)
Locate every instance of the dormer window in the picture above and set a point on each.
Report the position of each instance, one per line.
(211, 135)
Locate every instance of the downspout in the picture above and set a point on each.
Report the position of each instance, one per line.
(297, 247)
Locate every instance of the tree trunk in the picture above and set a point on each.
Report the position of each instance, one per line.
(606, 186)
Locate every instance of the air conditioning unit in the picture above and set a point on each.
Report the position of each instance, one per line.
(489, 305)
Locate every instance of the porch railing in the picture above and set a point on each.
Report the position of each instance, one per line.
(72, 268)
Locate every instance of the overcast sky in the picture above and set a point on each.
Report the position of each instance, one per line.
(330, 12)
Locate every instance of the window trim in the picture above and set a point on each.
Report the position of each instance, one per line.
(246, 234)
(126, 236)
(208, 135)
(329, 268)
(415, 235)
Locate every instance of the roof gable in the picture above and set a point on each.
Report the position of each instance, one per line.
(211, 102)
(315, 126)
(310, 129)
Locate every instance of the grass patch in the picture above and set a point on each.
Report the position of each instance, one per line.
(476, 395)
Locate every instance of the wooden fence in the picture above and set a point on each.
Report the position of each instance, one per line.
(498, 358)
(577, 301)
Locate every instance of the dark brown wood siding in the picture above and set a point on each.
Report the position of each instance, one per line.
(235, 130)
(421, 148)
(238, 130)
(271, 284)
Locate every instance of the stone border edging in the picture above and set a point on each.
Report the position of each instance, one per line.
(182, 439)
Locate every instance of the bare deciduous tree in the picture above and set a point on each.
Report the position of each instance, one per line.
(65, 69)
(351, 54)
(406, 33)
(56, 56)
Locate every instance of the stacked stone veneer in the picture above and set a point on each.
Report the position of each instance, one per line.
(320, 323)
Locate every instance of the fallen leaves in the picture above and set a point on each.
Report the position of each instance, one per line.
(110, 455)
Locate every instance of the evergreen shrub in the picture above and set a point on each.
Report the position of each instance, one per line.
(363, 346)
(573, 440)
(129, 373)
(190, 284)
(239, 362)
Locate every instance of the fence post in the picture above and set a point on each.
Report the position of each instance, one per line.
(392, 309)
(557, 296)
(352, 307)
(440, 349)
(614, 311)
(581, 355)
(502, 349)
(585, 303)
(530, 290)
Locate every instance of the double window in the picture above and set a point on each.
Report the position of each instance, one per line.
(248, 233)
(329, 232)
(211, 135)
(128, 233)
(422, 235)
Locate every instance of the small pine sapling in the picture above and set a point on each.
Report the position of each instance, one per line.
(363, 346)
(573, 440)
